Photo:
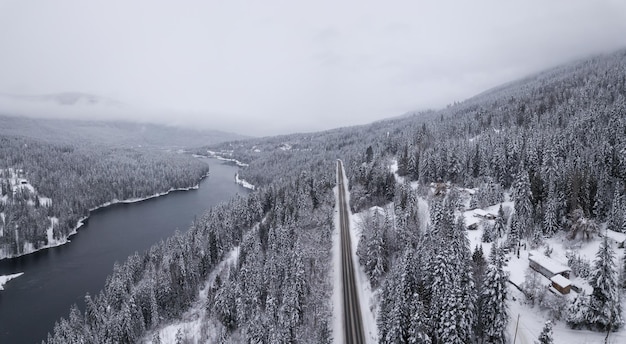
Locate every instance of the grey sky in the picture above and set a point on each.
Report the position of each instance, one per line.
(268, 67)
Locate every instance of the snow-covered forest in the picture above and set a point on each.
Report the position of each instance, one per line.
(541, 162)
(46, 188)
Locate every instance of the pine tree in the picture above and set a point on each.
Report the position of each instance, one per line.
(156, 339)
(499, 227)
(494, 317)
(416, 331)
(605, 311)
(522, 196)
(616, 213)
(545, 337)
(550, 221)
(578, 312)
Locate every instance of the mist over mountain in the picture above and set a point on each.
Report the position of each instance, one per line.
(73, 117)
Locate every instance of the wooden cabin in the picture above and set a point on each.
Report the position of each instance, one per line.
(561, 284)
(547, 266)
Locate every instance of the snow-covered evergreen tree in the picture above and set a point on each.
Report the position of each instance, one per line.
(417, 332)
(578, 312)
(605, 310)
(522, 225)
(550, 218)
(616, 215)
(545, 337)
(494, 316)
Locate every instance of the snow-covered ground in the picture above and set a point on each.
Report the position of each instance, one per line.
(5, 278)
(393, 167)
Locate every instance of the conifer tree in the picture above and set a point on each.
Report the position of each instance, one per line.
(578, 312)
(545, 337)
(605, 311)
(494, 317)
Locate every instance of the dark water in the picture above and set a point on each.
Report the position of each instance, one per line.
(56, 278)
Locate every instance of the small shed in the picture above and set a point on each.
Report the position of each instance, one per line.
(562, 284)
(547, 266)
(484, 215)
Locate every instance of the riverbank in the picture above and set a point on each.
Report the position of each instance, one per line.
(5, 278)
(81, 221)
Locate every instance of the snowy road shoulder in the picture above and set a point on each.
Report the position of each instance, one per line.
(5, 278)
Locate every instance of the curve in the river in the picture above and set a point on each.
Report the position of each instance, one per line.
(56, 278)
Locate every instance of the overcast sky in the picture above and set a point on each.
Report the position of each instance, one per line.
(269, 67)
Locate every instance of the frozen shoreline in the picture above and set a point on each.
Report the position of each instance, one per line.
(80, 221)
(244, 182)
(5, 278)
(214, 155)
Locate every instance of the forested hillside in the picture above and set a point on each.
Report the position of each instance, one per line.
(72, 179)
(552, 145)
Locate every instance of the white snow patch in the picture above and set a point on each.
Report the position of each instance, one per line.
(393, 167)
(45, 201)
(5, 278)
(618, 237)
(285, 147)
(215, 155)
(243, 182)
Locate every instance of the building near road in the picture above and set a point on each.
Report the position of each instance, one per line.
(561, 284)
(547, 266)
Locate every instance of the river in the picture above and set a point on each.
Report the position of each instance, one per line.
(56, 278)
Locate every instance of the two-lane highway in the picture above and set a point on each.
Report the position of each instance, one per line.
(353, 325)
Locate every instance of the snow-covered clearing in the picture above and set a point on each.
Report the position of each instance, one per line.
(5, 278)
(393, 167)
(192, 322)
(367, 299)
